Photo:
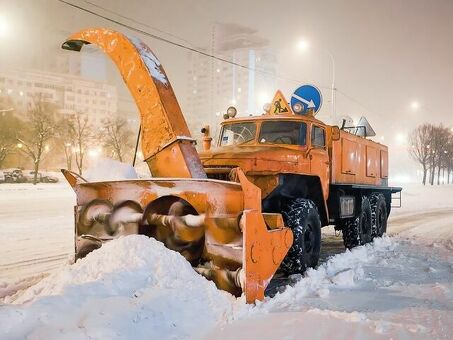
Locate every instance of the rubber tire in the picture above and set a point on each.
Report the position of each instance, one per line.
(357, 231)
(379, 215)
(301, 215)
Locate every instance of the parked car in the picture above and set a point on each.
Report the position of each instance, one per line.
(49, 178)
(14, 175)
(30, 176)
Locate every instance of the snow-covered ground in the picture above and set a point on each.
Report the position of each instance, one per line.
(398, 287)
(36, 228)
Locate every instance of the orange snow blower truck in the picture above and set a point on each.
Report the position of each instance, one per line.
(245, 209)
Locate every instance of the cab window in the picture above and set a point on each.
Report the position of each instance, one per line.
(283, 132)
(237, 133)
(318, 137)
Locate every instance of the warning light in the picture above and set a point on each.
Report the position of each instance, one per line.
(231, 111)
(298, 108)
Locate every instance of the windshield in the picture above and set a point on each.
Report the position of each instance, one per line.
(239, 133)
(278, 132)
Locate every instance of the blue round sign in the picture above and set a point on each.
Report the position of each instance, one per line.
(306, 97)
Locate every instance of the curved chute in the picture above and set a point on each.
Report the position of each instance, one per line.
(165, 138)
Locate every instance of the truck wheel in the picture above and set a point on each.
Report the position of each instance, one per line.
(378, 215)
(301, 215)
(357, 231)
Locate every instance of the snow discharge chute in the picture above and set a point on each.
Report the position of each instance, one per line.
(218, 226)
(167, 145)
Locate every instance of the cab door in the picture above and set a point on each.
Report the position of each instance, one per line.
(319, 156)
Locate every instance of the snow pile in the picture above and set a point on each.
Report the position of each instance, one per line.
(340, 271)
(389, 289)
(110, 170)
(131, 287)
(134, 287)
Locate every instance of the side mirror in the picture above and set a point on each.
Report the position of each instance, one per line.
(335, 133)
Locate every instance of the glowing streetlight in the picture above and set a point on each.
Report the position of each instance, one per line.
(303, 45)
(4, 27)
(19, 145)
(401, 138)
(94, 153)
(415, 105)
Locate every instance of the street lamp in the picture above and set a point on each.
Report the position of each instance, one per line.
(401, 138)
(415, 105)
(303, 45)
(4, 27)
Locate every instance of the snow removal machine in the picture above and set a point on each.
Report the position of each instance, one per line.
(250, 206)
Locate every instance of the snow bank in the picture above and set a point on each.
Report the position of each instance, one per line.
(389, 289)
(132, 287)
(340, 271)
(110, 170)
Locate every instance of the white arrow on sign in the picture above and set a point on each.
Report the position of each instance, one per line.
(310, 104)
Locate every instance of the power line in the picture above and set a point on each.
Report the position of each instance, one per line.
(191, 49)
(355, 101)
(140, 23)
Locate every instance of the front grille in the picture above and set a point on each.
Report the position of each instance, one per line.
(219, 176)
(220, 166)
(220, 172)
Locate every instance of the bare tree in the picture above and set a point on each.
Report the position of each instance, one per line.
(117, 137)
(420, 140)
(77, 134)
(441, 136)
(10, 127)
(66, 138)
(40, 130)
(449, 157)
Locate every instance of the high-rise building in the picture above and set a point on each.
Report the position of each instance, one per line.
(70, 93)
(246, 82)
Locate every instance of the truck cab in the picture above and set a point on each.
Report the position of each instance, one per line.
(275, 152)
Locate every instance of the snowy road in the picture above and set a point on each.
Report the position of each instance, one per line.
(36, 228)
(398, 287)
(434, 225)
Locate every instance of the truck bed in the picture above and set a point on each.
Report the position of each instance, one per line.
(357, 160)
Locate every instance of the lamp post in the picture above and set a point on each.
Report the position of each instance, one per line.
(334, 93)
(303, 45)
